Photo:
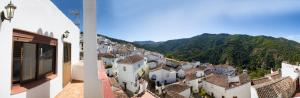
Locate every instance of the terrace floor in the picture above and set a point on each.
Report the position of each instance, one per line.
(72, 90)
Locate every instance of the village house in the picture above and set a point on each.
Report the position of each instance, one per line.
(162, 74)
(107, 58)
(104, 48)
(39, 48)
(279, 84)
(153, 56)
(130, 71)
(172, 62)
(221, 86)
(193, 77)
(189, 65)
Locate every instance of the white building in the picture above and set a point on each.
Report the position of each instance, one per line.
(130, 71)
(107, 58)
(153, 56)
(162, 74)
(34, 51)
(193, 78)
(104, 48)
(280, 84)
(220, 86)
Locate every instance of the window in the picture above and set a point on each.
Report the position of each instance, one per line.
(124, 68)
(32, 58)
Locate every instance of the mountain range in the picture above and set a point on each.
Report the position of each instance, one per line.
(258, 54)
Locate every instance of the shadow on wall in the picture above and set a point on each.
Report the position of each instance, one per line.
(41, 91)
(0, 24)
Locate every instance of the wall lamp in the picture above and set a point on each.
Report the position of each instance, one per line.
(10, 10)
(66, 34)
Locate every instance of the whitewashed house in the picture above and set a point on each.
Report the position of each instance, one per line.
(279, 84)
(172, 62)
(162, 74)
(221, 86)
(153, 56)
(39, 45)
(193, 78)
(130, 71)
(104, 48)
(108, 58)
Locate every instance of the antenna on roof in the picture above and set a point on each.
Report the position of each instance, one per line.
(76, 13)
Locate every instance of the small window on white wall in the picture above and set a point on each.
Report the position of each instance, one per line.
(124, 68)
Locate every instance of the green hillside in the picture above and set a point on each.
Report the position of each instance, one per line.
(258, 54)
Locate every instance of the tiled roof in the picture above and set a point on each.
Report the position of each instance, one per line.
(106, 55)
(191, 73)
(267, 78)
(260, 80)
(278, 88)
(161, 66)
(222, 80)
(131, 59)
(172, 94)
(219, 80)
(178, 88)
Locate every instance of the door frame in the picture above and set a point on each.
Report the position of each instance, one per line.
(64, 83)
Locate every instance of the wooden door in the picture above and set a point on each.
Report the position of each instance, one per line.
(67, 64)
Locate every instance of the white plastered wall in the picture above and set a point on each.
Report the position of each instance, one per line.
(37, 16)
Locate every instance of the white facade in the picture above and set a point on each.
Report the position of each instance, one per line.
(253, 92)
(128, 74)
(102, 48)
(289, 70)
(42, 17)
(163, 76)
(186, 93)
(159, 58)
(108, 61)
(194, 84)
(242, 91)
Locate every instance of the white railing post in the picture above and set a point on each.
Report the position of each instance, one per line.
(92, 85)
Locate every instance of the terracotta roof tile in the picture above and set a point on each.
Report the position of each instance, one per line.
(131, 59)
(106, 55)
(283, 88)
(223, 81)
(176, 87)
(219, 80)
(172, 94)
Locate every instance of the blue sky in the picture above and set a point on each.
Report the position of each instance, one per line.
(160, 20)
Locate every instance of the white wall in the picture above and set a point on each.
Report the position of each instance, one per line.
(253, 92)
(289, 70)
(242, 91)
(163, 75)
(186, 93)
(130, 74)
(194, 84)
(216, 90)
(34, 16)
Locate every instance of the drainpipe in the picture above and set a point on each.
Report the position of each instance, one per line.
(92, 84)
